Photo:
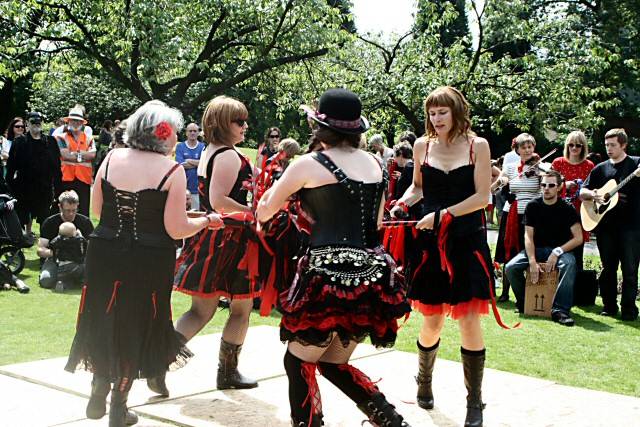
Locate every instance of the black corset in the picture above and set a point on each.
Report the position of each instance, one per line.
(344, 213)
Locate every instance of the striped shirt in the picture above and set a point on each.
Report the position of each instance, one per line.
(524, 188)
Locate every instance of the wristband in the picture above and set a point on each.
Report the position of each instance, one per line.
(557, 251)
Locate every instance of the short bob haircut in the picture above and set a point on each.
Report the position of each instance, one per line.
(333, 138)
(141, 126)
(576, 137)
(522, 140)
(218, 117)
(447, 96)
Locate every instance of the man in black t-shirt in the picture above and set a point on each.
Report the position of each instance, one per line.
(68, 202)
(552, 230)
(618, 233)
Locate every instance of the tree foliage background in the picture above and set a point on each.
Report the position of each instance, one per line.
(531, 65)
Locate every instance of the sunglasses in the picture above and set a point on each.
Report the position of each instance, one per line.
(274, 136)
(239, 122)
(18, 126)
(548, 185)
(574, 145)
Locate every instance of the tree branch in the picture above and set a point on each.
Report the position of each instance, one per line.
(257, 68)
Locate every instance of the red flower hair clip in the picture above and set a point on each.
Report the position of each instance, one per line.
(163, 130)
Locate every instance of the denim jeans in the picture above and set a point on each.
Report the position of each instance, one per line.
(563, 300)
(617, 246)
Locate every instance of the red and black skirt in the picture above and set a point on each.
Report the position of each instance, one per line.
(450, 273)
(353, 292)
(222, 262)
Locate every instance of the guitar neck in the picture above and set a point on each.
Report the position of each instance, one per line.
(622, 184)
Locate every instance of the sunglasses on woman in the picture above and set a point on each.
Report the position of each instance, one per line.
(574, 145)
(239, 122)
(274, 136)
(18, 126)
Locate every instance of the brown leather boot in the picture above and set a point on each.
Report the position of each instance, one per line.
(426, 361)
(228, 375)
(473, 365)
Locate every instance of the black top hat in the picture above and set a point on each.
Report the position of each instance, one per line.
(339, 109)
(35, 117)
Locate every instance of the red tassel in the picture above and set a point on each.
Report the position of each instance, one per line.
(269, 293)
(512, 233)
(114, 293)
(494, 306)
(309, 375)
(443, 237)
(360, 378)
(155, 304)
(423, 261)
(81, 308)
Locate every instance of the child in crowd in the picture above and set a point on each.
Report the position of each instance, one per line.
(69, 250)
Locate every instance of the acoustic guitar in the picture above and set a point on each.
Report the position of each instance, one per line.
(591, 212)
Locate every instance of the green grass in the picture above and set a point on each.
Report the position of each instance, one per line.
(594, 354)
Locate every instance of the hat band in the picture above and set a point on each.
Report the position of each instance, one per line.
(342, 124)
(76, 116)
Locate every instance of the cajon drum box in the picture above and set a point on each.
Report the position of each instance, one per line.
(538, 297)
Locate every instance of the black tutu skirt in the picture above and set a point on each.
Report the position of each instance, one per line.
(452, 276)
(124, 327)
(220, 262)
(355, 293)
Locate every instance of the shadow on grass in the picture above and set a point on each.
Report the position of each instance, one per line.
(589, 323)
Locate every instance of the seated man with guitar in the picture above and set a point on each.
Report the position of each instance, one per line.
(611, 206)
(552, 231)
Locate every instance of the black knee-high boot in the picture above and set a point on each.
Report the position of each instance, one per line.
(426, 361)
(304, 394)
(473, 365)
(97, 406)
(359, 387)
(119, 415)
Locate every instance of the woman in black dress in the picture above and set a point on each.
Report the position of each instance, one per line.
(124, 328)
(222, 263)
(451, 275)
(347, 287)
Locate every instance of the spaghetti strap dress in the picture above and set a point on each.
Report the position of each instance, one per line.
(450, 270)
(216, 263)
(124, 326)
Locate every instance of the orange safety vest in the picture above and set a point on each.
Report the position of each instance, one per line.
(74, 170)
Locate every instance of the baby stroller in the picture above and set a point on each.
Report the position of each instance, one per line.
(12, 239)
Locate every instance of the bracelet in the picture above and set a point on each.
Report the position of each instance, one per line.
(557, 251)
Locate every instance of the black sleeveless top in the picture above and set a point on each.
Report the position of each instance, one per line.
(346, 212)
(134, 217)
(240, 189)
(442, 189)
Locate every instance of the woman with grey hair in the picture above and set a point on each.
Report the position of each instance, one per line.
(124, 328)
